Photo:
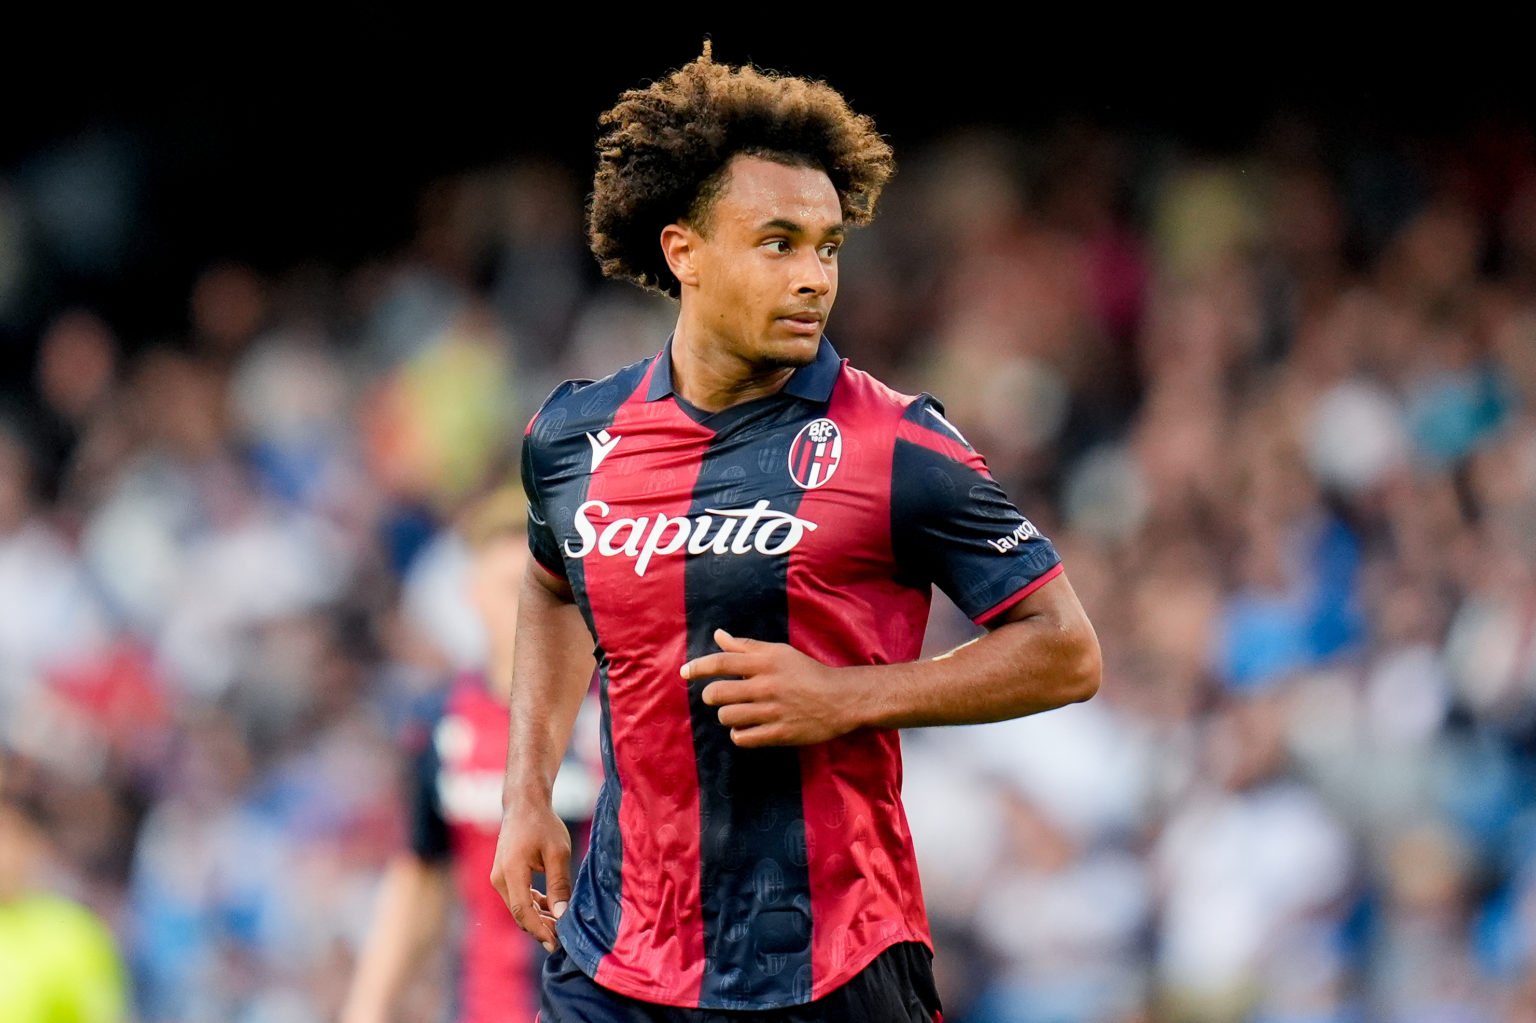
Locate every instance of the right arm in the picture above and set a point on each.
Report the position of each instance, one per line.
(412, 908)
(414, 898)
(551, 667)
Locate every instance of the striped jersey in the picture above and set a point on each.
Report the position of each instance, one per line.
(820, 516)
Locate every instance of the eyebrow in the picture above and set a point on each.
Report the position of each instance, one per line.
(790, 227)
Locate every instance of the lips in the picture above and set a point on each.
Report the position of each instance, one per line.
(803, 322)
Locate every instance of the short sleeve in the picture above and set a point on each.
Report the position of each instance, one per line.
(953, 526)
(541, 538)
(428, 828)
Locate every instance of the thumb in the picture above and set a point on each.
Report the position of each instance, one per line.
(557, 879)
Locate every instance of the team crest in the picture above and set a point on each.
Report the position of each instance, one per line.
(814, 455)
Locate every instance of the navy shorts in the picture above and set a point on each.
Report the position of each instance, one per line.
(896, 987)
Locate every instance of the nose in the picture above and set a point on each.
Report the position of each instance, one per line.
(813, 276)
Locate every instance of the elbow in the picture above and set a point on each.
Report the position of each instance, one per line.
(1085, 670)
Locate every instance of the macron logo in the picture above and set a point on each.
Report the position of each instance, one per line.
(601, 445)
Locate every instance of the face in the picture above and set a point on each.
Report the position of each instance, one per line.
(760, 276)
(21, 849)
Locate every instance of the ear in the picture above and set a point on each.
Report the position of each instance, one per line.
(680, 245)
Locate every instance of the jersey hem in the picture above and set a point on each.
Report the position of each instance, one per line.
(678, 1000)
(859, 963)
(558, 575)
(1018, 595)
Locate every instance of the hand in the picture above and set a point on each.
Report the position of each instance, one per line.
(779, 697)
(533, 839)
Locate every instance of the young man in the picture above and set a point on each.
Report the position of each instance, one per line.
(750, 528)
(455, 808)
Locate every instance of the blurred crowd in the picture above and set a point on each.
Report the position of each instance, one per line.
(1277, 409)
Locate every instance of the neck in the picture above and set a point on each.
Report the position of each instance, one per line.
(710, 377)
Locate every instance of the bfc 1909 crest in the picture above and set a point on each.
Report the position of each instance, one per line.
(815, 454)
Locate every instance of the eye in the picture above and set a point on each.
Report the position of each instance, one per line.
(829, 249)
(779, 246)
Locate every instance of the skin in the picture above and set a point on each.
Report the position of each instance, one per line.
(758, 281)
(22, 848)
(765, 257)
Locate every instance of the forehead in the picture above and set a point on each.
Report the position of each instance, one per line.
(758, 190)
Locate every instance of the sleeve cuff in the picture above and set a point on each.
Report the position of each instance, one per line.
(996, 609)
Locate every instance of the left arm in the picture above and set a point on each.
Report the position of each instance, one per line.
(1041, 654)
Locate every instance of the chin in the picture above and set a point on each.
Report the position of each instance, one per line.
(790, 352)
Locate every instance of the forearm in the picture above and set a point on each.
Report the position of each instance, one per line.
(1044, 655)
(1035, 663)
(412, 906)
(551, 668)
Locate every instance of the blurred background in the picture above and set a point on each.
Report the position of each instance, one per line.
(1255, 346)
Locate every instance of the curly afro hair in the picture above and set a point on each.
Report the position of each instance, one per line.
(665, 148)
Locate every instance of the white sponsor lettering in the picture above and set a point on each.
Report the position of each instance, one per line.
(1026, 531)
(741, 531)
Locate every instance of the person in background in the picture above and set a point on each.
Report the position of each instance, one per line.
(455, 812)
(59, 962)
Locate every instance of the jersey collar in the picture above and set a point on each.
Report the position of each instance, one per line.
(812, 382)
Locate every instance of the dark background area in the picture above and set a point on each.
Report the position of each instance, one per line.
(276, 138)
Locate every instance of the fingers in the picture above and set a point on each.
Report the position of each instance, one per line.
(736, 644)
(720, 694)
(709, 665)
(730, 661)
(760, 735)
(508, 875)
(512, 878)
(531, 918)
(558, 880)
(745, 715)
(730, 666)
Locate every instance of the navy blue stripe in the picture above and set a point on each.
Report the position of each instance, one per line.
(754, 884)
(430, 839)
(562, 466)
(955, 528)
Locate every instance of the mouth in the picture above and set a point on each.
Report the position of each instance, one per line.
(806, 323)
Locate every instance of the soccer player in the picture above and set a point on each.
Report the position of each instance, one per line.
(749, 529)
(455, 791)
(58, 960)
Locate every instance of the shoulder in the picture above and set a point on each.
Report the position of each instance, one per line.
(577, 405)
(67, 921)
(859, 390)
(917, 417)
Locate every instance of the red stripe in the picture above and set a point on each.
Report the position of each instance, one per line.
(844, 608)
(1012, 599)
(659, 949)
(944, 444)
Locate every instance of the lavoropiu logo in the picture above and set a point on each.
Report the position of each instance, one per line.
(814, 453)
(715, 531)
